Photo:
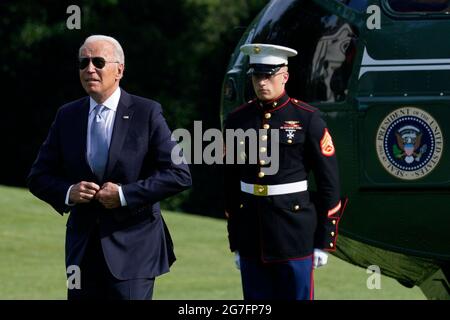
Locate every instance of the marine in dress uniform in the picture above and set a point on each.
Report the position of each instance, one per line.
(280, 229)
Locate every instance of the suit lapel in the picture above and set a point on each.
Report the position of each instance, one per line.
(121, 124)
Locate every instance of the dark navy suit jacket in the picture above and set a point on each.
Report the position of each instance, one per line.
(135, 240)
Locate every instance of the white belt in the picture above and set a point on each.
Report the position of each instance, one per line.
(273, 190)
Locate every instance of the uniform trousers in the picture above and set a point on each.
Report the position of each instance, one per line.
(288, 280)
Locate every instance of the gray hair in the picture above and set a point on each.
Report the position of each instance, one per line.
(118, 51)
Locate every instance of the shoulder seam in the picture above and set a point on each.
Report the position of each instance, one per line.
(303, 105)
(242, 106)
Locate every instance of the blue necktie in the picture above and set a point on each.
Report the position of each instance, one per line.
(99, 142)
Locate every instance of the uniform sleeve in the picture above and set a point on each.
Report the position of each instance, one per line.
(327, 201)
(231, 194)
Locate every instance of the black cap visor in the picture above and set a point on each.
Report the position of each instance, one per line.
(269, 69)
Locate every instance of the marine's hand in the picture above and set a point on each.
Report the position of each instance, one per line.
(108, 195)
(83, 192)
(320, 258)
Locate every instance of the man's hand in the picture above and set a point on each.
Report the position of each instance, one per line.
(83, 192)
(320, 258)
(108, 195)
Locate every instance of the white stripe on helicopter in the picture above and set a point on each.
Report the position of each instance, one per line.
(369, 64)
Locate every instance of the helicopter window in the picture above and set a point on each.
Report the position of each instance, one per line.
(411, 6)
(332, 62)
(326, 46)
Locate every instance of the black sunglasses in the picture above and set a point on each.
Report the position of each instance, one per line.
(265, 76)
(98, 62)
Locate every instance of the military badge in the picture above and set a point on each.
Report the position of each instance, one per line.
(326, 144)
(290, 127)
(409, 143)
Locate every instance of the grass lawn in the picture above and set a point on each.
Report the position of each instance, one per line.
(32, 259)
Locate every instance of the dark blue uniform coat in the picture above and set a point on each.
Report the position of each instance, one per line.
(288, 226)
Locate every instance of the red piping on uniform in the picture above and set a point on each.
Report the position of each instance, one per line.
(261, 241)
(311, 288)
(279, 107)
(301, 106)
(337, 224)
(344, 206)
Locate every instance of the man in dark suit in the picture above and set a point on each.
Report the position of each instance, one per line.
(107, 160)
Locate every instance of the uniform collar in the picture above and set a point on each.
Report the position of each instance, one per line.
(275, 103)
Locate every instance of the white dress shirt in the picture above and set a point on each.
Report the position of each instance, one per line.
(111, 103)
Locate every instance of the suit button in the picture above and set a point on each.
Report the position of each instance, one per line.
(289, 141)
(262, 162)
(261, 174)
(296, 207)
(267, 116)
(241, 143)
(266, 126)
(263, 149)
(264, 138)
(241, 206)
(331, 245)
(332, 233)
(334, 221)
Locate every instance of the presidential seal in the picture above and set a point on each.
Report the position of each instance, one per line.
(409, 143)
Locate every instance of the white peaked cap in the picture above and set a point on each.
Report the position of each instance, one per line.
(270, 54)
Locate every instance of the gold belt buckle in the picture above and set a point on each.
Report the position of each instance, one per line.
(260, 190)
